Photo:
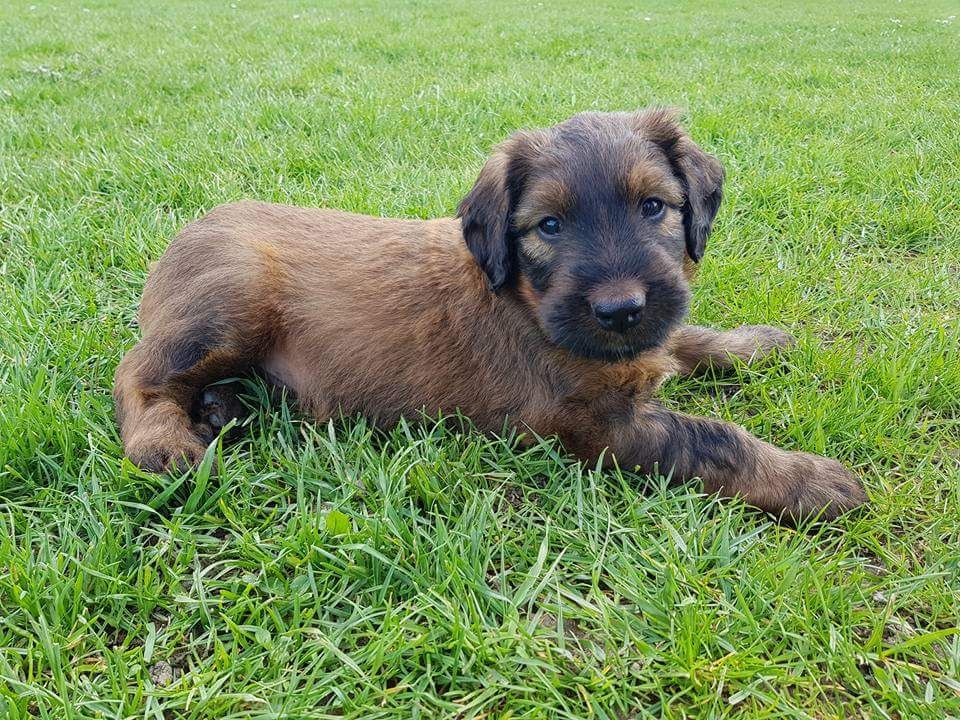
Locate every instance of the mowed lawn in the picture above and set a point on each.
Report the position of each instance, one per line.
(336, 571)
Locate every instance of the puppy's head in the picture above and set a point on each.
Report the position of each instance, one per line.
(596, 224)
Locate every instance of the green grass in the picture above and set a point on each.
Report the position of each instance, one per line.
(424, 572)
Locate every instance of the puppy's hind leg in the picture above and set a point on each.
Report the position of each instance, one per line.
(155, 388)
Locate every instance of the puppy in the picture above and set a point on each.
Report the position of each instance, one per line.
(555, 302)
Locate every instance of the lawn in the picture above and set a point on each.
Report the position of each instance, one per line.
(423, 572)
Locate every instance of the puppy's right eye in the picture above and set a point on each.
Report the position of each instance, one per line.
(549, 226)
(651, 207)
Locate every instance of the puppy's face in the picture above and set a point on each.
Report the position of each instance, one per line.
(594, 223)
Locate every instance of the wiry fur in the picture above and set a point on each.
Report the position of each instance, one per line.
(479, 314)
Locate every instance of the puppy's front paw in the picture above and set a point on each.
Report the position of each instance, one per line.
(765, 339)
(822, 488)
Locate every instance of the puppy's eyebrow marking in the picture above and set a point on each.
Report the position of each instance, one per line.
(645, 179)
(543, 198)
(536, 249)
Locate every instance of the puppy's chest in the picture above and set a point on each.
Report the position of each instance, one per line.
(610, 394)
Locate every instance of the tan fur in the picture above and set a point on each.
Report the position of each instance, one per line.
(388, 318)
(536, 248)
(645, 178)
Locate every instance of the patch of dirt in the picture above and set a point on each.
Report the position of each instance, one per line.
(514, 496)
(161, 673)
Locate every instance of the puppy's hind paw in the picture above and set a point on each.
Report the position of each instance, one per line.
(215, 408)
(166, 456)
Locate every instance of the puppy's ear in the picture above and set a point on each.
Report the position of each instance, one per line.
(485, 212)
(700, 173)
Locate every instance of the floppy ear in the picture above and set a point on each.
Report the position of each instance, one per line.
(486, 210)
(700, 173)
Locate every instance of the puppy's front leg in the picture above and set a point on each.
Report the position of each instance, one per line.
(698, 348)
(733, 462)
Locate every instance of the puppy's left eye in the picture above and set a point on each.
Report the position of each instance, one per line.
(651, 207)
(549, 226)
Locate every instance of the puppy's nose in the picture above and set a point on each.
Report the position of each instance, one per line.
(619, 315)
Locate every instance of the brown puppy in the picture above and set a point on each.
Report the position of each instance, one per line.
(555, 302)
